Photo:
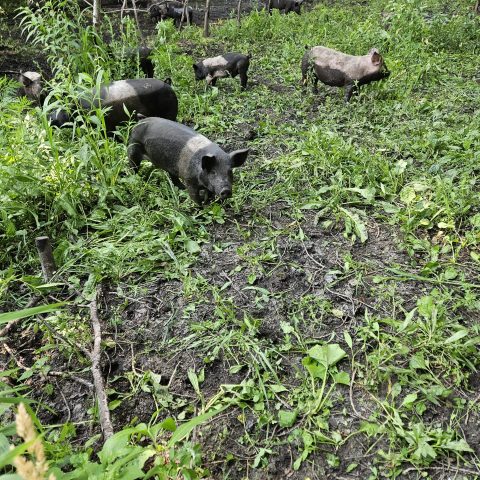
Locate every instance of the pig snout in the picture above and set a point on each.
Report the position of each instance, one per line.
(226, 192)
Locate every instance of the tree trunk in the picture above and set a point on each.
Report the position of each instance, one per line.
(207, 17)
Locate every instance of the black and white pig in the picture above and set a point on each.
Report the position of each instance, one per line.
(338, 69)
(32, 86)
(162, 11)
(228, 65)
(147, 97)
(205, 169)
(286, 5)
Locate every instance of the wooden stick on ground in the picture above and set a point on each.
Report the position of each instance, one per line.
(47, 261)
(103, 411)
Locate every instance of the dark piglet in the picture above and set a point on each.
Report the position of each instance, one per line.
(175, 10)
(286, 5)
(228, 65)
(338, 69)
(203, 166)
(148, 97)
(32, 86)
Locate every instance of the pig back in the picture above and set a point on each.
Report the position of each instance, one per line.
(173, 146)
(337, 68)
(147, 97)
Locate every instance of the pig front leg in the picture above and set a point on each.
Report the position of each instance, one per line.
(350, 90)
(315, 84)
(196, 194)
(135, 154)
(176, 181)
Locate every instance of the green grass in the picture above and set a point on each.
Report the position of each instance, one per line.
(331, 306)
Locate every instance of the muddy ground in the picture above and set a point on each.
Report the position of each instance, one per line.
(139, 323)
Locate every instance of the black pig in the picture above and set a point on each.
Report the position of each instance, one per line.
(228, 65)
(148, 97)
(286, 5)
(338, 69)
(202, 165)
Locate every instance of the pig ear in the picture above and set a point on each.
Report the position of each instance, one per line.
(238, 157)
(375, 56)
(208, 162)
(24, 80)
(195, 66)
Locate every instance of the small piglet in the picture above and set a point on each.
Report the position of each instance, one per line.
(338, 69)
(228, 65)
(173, 9)
(32, 86)
(286, 5)
(203, 166)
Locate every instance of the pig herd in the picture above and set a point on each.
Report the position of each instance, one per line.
(193, 161)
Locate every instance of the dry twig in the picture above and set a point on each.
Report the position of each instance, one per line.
(95, 356)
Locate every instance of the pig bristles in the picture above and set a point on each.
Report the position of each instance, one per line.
(36, 468)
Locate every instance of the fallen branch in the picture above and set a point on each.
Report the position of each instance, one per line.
(95, 356)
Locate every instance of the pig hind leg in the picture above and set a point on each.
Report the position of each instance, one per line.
(243, 79)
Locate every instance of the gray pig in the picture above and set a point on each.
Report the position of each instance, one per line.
(228, 65)
(338, 69)
(286, 5)
(148, 97)
(203, 166)
(32, 86)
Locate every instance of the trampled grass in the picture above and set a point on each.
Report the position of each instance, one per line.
(330, 307)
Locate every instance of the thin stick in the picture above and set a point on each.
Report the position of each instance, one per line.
(122, 9)
(239, 7)
(104, 413)
(136, 20)
(205, 21)
(47, 261)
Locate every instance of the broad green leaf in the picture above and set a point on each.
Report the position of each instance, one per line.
(327, 355)
(367, 193)
(351, 467)
(28, 312)
(286, 419)
(409, 399)
(192, 246)
(342, 378)
(418, 361)
(348, 338)
(458, 446)
(407, 195)
(315, 369)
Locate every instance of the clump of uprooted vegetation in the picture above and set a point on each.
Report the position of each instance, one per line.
(322, 322)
